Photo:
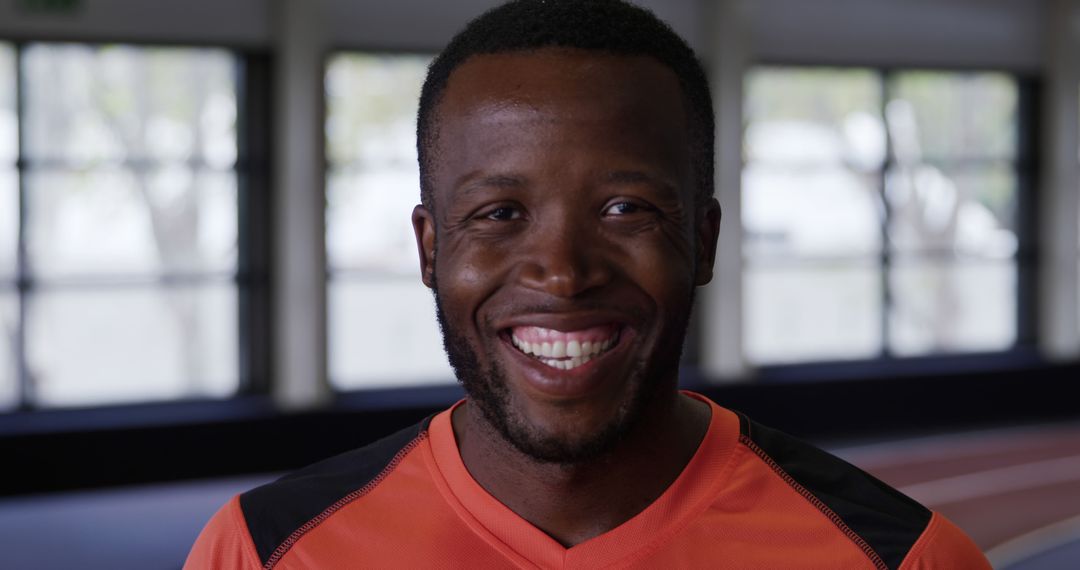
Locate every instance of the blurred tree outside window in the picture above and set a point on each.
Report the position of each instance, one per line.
(129, 222)
(879, 212)
(381, 321)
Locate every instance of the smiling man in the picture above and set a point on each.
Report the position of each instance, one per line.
(567, 217)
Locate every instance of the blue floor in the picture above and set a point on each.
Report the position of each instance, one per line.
(145, 527)
(1063, 557)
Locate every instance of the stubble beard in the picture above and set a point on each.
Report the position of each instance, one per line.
(488, 389)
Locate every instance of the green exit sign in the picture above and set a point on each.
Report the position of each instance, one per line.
(63, 7)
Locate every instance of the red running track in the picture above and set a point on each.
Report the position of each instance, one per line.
(1015, 491)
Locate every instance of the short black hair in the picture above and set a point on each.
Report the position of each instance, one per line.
(610, 26)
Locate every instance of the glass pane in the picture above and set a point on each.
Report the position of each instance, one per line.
(90, 104)
(969, 211)
(812, 312)
(95, 346)
(952, 306)
(371, 103)
(383, 333)
(368, 219)
(814, 115)
(829, 210)
(120, 221)
(9, 222)
(9, 127)
(952, 115)
(9, 392)
(371, 145)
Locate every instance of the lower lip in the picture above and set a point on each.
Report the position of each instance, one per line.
(555, 383)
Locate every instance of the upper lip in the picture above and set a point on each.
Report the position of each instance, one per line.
(565, 322)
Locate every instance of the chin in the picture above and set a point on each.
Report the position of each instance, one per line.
(561, 425)
(556, 432)
(565, 436)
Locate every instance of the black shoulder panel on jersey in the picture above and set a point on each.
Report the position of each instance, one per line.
(884, 518)
(277, 510)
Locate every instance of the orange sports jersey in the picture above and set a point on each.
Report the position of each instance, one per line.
(751, 497)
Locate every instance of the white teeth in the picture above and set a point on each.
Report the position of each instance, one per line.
(563, 355)
(564, 364)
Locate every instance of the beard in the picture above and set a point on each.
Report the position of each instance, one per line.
(488, 388)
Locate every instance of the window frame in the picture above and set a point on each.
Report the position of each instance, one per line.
(1023, 353)
(251, 279)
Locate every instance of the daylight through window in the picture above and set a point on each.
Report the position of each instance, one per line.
(382, 329)
(128, 224)
(880, 213)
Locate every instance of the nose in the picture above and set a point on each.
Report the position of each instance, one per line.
(562, 262)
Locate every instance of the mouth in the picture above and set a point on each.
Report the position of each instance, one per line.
(564, 350)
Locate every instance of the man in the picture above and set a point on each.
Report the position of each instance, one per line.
(567, 217)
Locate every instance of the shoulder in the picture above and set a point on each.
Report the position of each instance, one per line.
(943, 545)
(274, 516)
(224, 542)
(891, 528)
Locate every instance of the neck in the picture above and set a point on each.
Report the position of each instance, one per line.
(575, 502)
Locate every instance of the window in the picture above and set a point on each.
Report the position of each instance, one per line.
(9, 229)
(881, 213)
(120, 283)
(382, 330)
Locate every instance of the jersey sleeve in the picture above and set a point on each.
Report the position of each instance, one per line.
(225, 543)
(944, 546)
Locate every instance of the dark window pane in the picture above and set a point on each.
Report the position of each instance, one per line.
(937, 114)
(100, 345)
(90, 104)
(383, 333)
(952, 306)
(964, 210)
(815, 311)
(131, 222)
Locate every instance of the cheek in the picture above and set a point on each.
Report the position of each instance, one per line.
(663, 265)
(467, 274)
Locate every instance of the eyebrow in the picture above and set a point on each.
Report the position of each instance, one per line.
(470, 183)
(639, 177)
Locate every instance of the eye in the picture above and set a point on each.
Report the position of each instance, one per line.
(502, 213)
(625, 208)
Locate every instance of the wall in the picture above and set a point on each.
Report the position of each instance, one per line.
(990, 33)
(415, 25)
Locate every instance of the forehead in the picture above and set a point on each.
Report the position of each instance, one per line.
(563, 77)
(631, 106)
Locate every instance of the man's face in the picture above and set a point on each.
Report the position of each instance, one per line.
(565, 246)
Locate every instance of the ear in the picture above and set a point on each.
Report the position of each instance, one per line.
(708, 230)
(424, 228)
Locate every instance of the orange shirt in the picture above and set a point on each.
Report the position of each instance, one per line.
(751, 497)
